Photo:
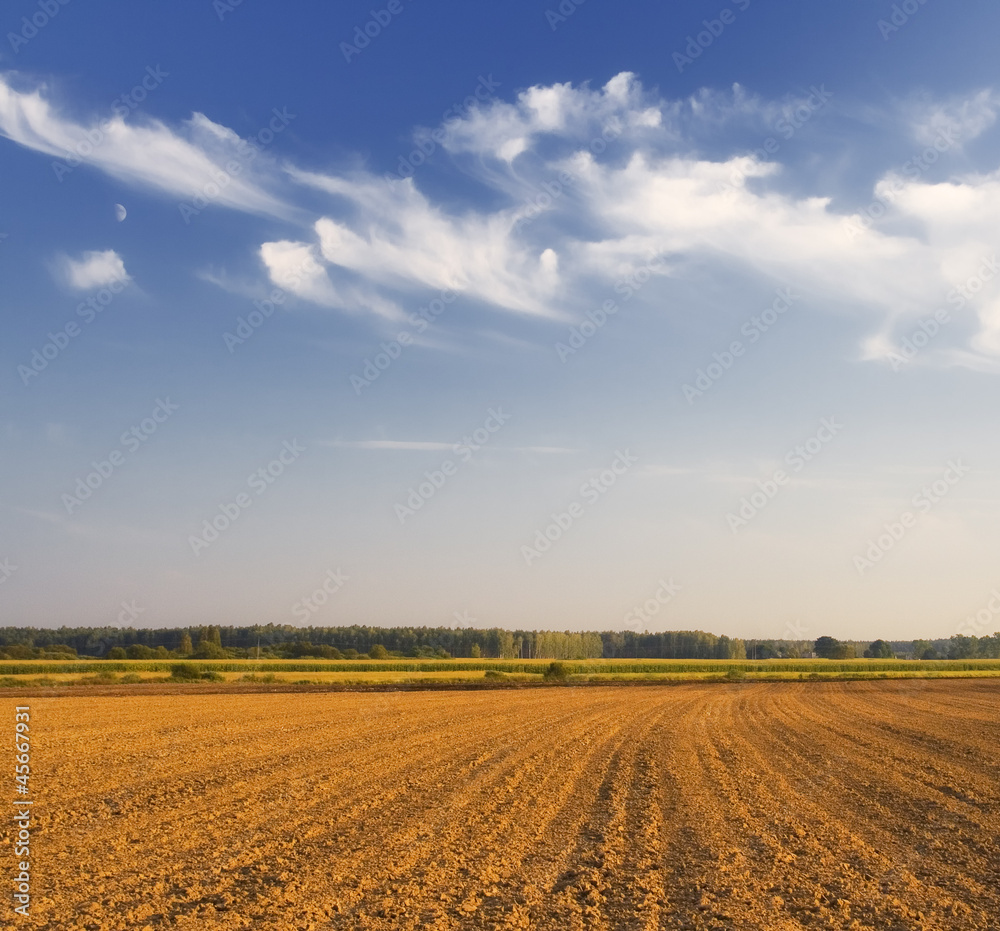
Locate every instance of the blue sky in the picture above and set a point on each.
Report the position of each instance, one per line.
(510, 316)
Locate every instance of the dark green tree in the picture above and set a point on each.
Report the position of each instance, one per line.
(880, 650)
(827, 647)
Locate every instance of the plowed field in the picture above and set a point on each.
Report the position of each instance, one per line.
(862, 805)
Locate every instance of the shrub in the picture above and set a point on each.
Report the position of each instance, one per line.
(270, 677)
(19, 651)
(493, 674)
(212, 676)
(351, 653)
(378, 652)
(736, 674)
(116, 653)
(557, 672)
(131, 678)
(185, 672)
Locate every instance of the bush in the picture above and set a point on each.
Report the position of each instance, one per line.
(351, 653)
(557, 672)
(208, 650)
(185, 672)
(493, 674)
(19, 651)
(131, 678)
(736, 675)
(212, 676)
(116, 653)
(378, 652)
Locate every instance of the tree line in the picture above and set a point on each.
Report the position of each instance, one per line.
(283, 641)
(286, 641)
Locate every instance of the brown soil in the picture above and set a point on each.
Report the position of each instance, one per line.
(777, 806)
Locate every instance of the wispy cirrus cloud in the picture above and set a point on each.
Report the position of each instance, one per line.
(431, 446)
(182, 162)
(634, 180)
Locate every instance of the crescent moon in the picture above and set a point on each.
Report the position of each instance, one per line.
(120, 212)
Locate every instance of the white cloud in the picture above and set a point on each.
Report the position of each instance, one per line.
(182, 162)
(425, 446)
(963, 118)
(294, 267)
(638, 185)
(94, 270)
(506, 130)
(398, 238)
(389, 444)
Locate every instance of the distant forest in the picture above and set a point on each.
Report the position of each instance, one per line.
(283, 641)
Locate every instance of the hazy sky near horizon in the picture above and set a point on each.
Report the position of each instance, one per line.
(518, 314)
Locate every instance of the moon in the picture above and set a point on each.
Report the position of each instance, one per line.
(120, 212)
